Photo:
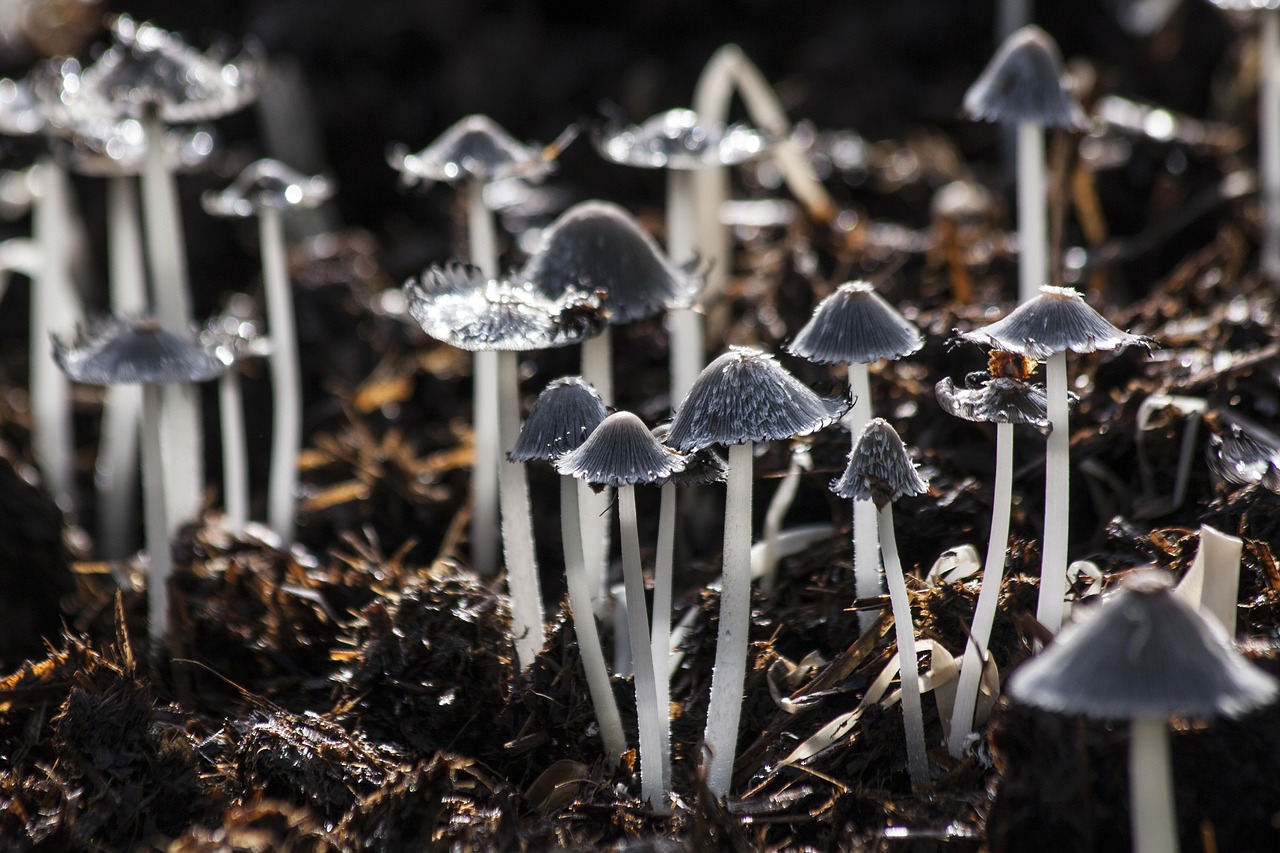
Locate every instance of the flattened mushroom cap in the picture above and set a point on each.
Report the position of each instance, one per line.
(621, 452)
(477, 147)
(705, 466)
(1055, 321)
(855, 325)
(745, 395)
(1023, 82)
(676, 139)
(562, 417)
(135, 353)
(596, 245)
(1001, 401)
(461, 306)
(1142, 652)
(1242, 460)
(879, 468)
(268, 183)
(107, 147)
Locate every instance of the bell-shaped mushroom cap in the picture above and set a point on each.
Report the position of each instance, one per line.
(1142, 652)
(1055, 321)
(110, 147)
(477, 147)
(459, 305)
(879, 468)
(268, 183)
(140, 352)
(676, 140)
(596, 245)
(855, 325)
(562, 417)
(962, 201)
(1023, 82)
(745, 395)
(1001, 401)
(1243, 460)
(621, 452)
(704, 466)
(20, 113)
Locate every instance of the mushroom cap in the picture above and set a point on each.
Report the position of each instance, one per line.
(475, 146)
(879, 468)
(1246, 5)
(20, 113)
(596, 245)
(745, 395)
(459, 305)
(235, 334)
(562, 417)
(1055, 321)
(963, 201)
(268, 183)
(1023, 82)
(621, 452)
(704, 466)
(1242, 460)
(107, 147)
(139, 352)
(1142, 652)
(676, 139)
(855, 325)
(1000, 401)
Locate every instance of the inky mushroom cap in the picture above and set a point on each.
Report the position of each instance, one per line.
(116, 352)
(1023, 82)
(562, 417)
(106, 147)
(879, 468)
(477, 147)
(745, 395)
(704, 466)
(1243, 460)
(1142, 652)
(855, 325)
(1001, 400)
(268, 183)
(676, 140)
(596, 245)
(461, 306)
(621, 452)
(1055, 321)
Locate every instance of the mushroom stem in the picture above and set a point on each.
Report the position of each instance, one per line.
(868, 579)
(597, 364)
(661, 643)
(686, 323)
(984, 614)
(1033, 262)
(159, 561)
(484, 376)
(729, 674)
(1269, 142)
(235, 456)
(584, 625)
(517, 522)
(1152, 823)
(1053, 565)
(783, 497)
(594, 516)
(913, 716)
(286, 382)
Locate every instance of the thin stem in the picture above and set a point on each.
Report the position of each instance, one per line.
(783, 497)
(286, 376)
(517, 522)
(159, 561)
(1012, 16)
(1269, 142)
(597, 364)
(597, 512)
(686, 323)
(484, 376)
(912, 715)
(1053, 565)
(1152, 822)
(1033, 229)
(1221, 555)
(868, 579)
(662, 581)
(235, 456)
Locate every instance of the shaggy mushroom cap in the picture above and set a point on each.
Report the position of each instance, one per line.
(745, 395)
(855, 325)
(139, 352)
(676, 140)
(1055, 321)
(704, 466)
(477, 147)
(1142, 652)
(879, 468)
(598, 246)
(268, 183)
(459, 305)
(621, 452)
(562, 417)
(1243, 460)
(106, 147)
(1023, 82)
(1000, 400)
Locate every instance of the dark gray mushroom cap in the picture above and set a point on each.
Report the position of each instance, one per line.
(1023, 82)
(1243, 460)
(476, 147)
(676, 139)
(562, 417)
(461, 306)
(879, 468)
(140, 352)
(596, 245)
(705, 466)
(1142, 652)
(621, 452)
(1055, 321)
(109, 147)
(268, 183)
(855, 325)
(745, 395)
(1001, 400)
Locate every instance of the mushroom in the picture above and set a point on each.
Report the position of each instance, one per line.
(880, 471)
(742, 397)
(1144, 655)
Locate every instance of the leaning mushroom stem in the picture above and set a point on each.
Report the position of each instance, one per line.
(984, 614)
(1269, 143)
(235, 456)
(868, 580)
(1033, 264)
(1053, 566)
(686, 323)
(484, 377)
(913, 716)
(783, 497)
(286, 382)
(1152, 823)
(661, 643)
(155, 514)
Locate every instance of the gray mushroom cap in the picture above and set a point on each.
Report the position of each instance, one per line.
(676, 139)
(855, 325)
(268, 183)
(745, 395)
(20, 113)
(596, 245)
(1055, 321)
(462, 307)
(1001, 400)
(108, 147)
(562, 417)
(1023, 82)
(621, 452)
(1242, 460)
(140, 352)
(705, 466)
(879, 468)
(476, 147)
(1142, 652)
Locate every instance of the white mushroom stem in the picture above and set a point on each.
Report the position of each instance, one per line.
(1033, 229)
(517, 521)
(1152, 823)
(648, 714)
(912, 715)
(868, 579)
(286, 376)
(597, 364)
(584, 625)
(686, 323)
(235, 456)
(984, 614)
(159, 561)
(661, 640)
(484, 378)
(1269, 141)
(730, 671)
(783, 497)
(1053, 561)
(597, 371)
